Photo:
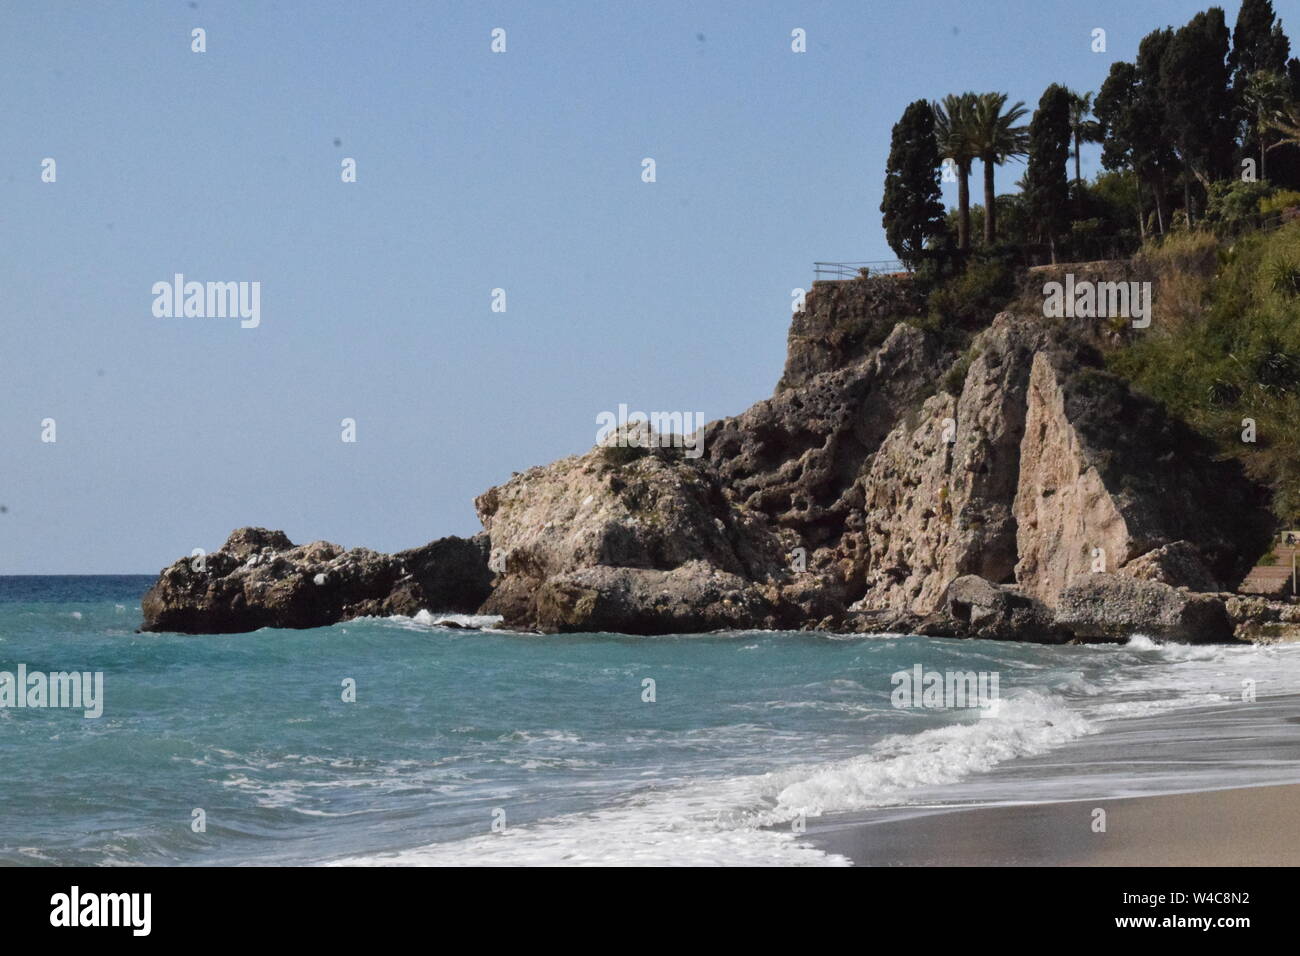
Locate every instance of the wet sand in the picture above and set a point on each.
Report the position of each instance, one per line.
(1250, 826)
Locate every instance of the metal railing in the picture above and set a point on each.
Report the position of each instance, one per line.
(852, 270)
(1071, 249)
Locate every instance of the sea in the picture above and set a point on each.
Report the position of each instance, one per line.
(408, 741)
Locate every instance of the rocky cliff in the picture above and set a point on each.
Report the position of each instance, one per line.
(1003, 486)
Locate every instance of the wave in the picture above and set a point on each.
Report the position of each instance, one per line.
(756, 819)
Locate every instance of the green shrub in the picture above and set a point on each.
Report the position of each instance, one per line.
(1283, 277)
(1229, 350)
(1283, 199)
(955, 378)
(972, 297)
(1235, 205)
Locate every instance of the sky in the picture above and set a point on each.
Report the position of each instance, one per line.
(475, 171)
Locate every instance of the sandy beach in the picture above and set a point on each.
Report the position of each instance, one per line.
(1251, 826)
(1207, 787)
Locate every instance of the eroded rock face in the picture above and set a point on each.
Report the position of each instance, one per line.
(939, 494)
(967, 514)
(1107, 478)
(895, 482)
(259, 578)
(557, 531)
(1261, 621)
(796, 458)
(900, 553)
(843, 322)
(1066, 518)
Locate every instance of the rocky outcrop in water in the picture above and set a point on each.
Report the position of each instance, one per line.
(259, 578)
(1002, 486)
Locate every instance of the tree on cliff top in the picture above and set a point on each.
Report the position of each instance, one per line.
(1197, 100)
(1047, 189)
(1258, 61)
(1085, 130)
(912, 205)
(1258, 42)
(1118, 111)
(953, 121)
(995, 138)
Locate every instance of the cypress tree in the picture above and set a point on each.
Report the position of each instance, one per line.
(1047, 189)
(1118, 115)
(1155, 154)
(1258, 42)
(1259, 67)
(912, 204)
(1197, 101)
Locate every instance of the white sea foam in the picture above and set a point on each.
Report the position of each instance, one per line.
(427, 619)
(748, 820)
(1028, 724)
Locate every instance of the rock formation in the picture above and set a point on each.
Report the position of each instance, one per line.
(1004, 487)
(259, 578)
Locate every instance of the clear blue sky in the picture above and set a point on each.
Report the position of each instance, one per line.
(476, 171)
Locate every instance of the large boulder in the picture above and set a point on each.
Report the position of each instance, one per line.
(1178, 564)
(1261, 621)
(1114, 607)
(259, 578)
(694, 597)
(558, 533)
(979, 608)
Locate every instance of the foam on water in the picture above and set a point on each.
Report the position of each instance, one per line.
(752, 819)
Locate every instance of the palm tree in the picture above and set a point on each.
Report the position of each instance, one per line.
(994, 139)
(952, 129)
(1084, 130)
(1285, 120)
(1264, 97)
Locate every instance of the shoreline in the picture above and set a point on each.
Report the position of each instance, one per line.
(1206, 786)
(1239, 826)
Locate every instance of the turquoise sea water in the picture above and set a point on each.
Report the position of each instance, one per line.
(549, 736)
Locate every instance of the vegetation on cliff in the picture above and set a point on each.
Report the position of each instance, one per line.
(1224, 354)
(1200, 186)
(1201, 108)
